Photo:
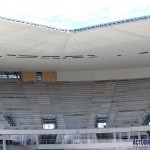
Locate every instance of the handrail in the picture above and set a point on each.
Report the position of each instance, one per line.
(82, 141)
(73, 131)
(72, 141)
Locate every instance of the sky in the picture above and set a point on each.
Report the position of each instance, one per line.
(73, 14)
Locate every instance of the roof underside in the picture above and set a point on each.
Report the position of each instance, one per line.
(25, 47)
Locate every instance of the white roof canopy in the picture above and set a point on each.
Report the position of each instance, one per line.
(24, 47)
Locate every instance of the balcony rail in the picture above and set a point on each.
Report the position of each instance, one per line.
(82, 141)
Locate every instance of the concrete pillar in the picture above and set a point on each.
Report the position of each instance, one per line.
(88, 137)
(63, 142)
(129, 136)
(4, 143)
(37, 139)
(25, 140)
(139, 135)
(22, 139)
(114, 137)
(120, 135)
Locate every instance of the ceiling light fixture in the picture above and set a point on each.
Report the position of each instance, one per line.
(143, 52)
(11, 55)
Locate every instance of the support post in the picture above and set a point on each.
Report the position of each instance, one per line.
(120, 135)
(25, 140)
(4, 143)
(114, 137)
(62, 139)
(88, 137)
(37, 139)
(139, 135)
(129, 136)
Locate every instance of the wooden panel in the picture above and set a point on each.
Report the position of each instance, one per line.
(49, 76)
(28, 76)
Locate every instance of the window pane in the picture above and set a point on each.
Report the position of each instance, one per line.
(102, 125)
(48, 126)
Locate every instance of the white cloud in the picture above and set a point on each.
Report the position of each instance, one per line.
(73, 13)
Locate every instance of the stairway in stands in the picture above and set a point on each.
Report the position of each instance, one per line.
(92, 121)
(61, 122)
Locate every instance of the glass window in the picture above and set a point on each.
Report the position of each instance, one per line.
(101, 125)
(9, 75)
(49, 123)
(49, 126)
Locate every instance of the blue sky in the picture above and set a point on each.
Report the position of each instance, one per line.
(73, 14)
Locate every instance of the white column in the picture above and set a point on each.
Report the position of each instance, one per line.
(114, 137)
(22, 139)
(120, 135)
(4, 143)
(139, 135)
(37, 139)
(62, 139)
(88, 138)
(129, 136)
(25, 140)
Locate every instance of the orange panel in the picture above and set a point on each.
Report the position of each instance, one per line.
(28, 76)
(49, 76)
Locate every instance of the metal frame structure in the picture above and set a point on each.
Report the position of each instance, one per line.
(80, 29)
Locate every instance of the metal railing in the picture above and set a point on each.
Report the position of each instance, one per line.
(82, 141)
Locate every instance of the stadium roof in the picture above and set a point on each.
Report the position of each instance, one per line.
(29, 41)
(26, 47)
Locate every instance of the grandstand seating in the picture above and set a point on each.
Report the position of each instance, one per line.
(76, 104)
